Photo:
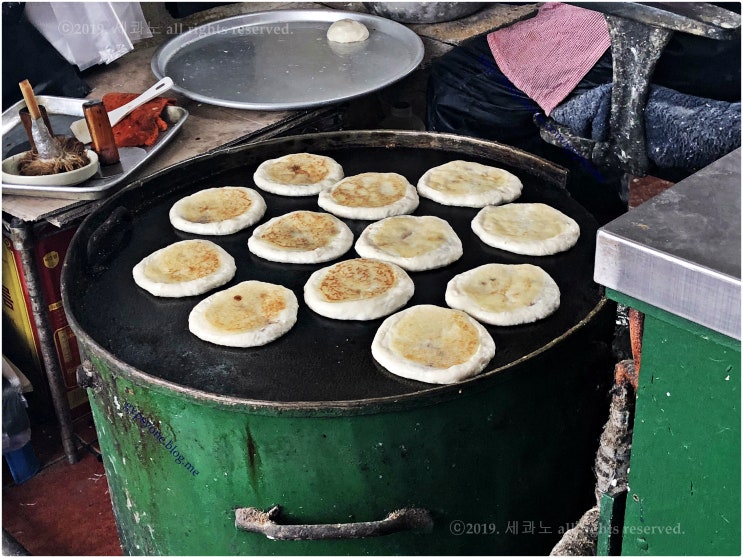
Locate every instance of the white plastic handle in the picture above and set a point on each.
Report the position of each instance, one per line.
(160, 87)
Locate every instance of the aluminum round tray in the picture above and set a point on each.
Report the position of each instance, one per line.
(282, 60)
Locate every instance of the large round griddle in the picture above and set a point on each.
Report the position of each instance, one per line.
(320, 361)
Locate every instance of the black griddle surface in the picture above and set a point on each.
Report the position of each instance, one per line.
(320, 359)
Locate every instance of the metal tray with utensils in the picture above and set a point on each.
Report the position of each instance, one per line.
(62, 112)
(282, 60)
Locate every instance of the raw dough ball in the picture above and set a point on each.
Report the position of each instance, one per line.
(347, 31)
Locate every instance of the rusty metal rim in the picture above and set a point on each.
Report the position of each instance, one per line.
(390, 139)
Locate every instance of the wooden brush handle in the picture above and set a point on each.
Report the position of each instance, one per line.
(101, 134)
(30, 98)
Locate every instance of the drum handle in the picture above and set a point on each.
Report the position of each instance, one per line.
(86, 376)
(257, 521)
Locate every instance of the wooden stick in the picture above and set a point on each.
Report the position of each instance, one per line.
(101, 135)
(30, 98)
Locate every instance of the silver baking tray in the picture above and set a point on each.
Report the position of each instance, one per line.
(282, 60)
(62, 112)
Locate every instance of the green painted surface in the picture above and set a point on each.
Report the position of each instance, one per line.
(611, 510)
(606, 523)
(685, 490)
(510, 466)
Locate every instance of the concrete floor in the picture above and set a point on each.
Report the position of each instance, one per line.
(64, 510)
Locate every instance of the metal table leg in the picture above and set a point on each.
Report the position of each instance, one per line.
(21, 236)
(636, 48)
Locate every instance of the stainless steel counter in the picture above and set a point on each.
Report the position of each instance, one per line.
(681, 250)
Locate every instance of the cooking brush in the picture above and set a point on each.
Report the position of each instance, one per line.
(46, 146)
(49, 154)
(80, 127)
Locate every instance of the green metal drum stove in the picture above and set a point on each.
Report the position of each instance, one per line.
(201, 442)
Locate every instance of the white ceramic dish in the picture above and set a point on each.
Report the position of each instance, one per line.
(11, 176)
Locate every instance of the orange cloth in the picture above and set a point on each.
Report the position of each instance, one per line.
(143, 125)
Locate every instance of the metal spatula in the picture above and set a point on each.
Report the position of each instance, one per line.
(80, 127)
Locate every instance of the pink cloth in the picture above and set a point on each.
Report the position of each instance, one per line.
(547, 56)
